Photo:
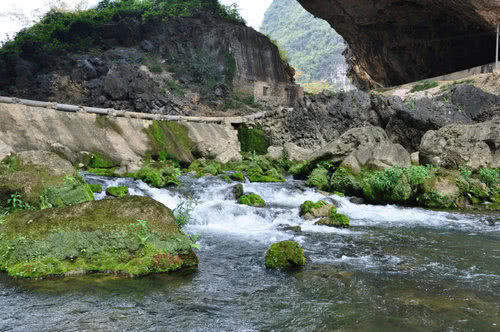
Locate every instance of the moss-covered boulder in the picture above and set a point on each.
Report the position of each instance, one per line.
(159, 176)
(238, 190)
(334, 219)
(119, 191)
(96, 188)
(310, 210)
(272, 175)
(131, 236)
(253, 140)
(252, 200)
(285, 255)
(440, 191)
(40, 174)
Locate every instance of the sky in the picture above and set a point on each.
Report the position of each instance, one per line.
(252, 10)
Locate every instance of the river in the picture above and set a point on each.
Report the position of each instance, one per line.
(394, 269)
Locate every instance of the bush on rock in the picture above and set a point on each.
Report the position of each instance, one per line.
(252, 200)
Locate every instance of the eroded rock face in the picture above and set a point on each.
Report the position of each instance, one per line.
(474, 145)
(393, 42)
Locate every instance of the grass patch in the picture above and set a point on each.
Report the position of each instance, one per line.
(426, 85)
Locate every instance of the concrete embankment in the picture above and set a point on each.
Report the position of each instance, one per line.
(122, 138)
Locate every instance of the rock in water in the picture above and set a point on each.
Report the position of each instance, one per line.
(130, 236)
(285, 255)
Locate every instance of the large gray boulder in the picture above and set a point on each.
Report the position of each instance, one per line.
(476, 145)
(413, 118)
(292, 151)
(477, 104)
(349, 142)
(378, 156)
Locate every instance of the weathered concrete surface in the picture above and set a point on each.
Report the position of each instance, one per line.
(24, 128)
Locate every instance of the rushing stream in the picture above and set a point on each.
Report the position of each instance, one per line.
(394, 269)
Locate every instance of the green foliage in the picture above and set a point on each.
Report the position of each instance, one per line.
(343, 181)
(159, 177)
(424, 86)
(308, 206)
(140, 230)
(183, 212)
(10, 164)
(313, 47)
(60, 31)
(74, 191)
(388, 186)
(284, 255)
(302, 170)
(99, 160)
(253, 139)
(490, 176)
(334, 220)
(102, 171)
(119, 191)
(318, 178)
(237, 176)
(252, 200)
(96, 188)
(434, 199)
(15, 203)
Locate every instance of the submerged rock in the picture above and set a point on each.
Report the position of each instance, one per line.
(285, 255)
(131, 236)
(120, 191)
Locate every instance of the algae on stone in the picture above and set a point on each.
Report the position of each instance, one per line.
(285, 255)
(334, 219)
(131, 236)
(170, 140)
(119, 191)
(252, 200)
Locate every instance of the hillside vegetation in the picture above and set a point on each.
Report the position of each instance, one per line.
(314, 48)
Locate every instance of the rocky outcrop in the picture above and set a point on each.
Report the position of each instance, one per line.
(149, 66)
(349, 142)
(377, 156)
(290, 151)
(393, 42)
(476, 145)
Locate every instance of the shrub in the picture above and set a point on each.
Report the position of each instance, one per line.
(318, 178)
(237, 176)
(490, 176)
(184, 211)
(344, 182)
(388, 186)
(159, 177)
(253, 140)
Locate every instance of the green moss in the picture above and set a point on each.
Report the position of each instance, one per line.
(119, 191)
(334, 220)
(252, 200)
(159, 177)
(74, 191)
(388, 186)
(98, 236)
(253, 140)
(271, 175)
(103, 171)
(433, 199)
(99, 160)
(319, 178)
(105, 122)
(96, 188)
(230, 70)
(302, 170)
(307, 206)
(170, 140)
(238, 176)
(343, 181)
(285, 255)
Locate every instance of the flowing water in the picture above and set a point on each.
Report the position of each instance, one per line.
(394, 269)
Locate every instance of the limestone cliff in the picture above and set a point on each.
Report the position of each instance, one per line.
(168, 66)
(393, 42)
